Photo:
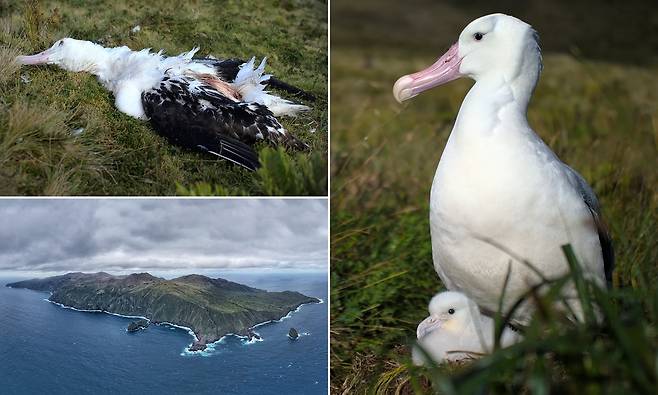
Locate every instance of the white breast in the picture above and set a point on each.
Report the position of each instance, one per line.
(500, 193)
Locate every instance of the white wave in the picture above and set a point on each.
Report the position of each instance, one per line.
(97, 311)
(189, 330)
(210, 348)
(287, 315)
(253, 340)
(299, 334)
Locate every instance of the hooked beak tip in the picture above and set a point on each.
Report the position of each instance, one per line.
(402, 89)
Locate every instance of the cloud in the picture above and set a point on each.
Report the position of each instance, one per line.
(60, 235)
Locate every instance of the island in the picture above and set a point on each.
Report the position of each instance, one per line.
(209, 307)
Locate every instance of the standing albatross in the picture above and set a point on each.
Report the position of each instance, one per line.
(500, 195)
(216, 106)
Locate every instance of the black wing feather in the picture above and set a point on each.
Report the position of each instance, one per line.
(205, 120)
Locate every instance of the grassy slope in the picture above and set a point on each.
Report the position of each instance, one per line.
(599, 117)
(118, 155)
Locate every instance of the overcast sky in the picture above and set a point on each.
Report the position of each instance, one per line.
(119, 236)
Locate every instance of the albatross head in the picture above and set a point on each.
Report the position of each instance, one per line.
(69, 54)
(493, 46)
(449, 311)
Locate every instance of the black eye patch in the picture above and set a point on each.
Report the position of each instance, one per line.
(478, 36)
(451, 311)
(61, 43)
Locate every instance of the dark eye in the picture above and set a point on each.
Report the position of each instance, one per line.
(61, 43)
(451, 311)
(478, 36)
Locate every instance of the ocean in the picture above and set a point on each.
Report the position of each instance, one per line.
(45, 348)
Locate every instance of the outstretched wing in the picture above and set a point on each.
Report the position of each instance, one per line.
(590, 199)
(196, 116)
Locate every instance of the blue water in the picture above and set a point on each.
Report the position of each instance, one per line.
(48, 349)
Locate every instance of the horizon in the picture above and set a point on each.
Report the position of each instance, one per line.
(171, 274)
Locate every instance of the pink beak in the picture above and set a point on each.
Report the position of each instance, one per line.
(442, 71)
(40, 58)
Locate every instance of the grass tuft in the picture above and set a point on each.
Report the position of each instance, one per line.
(38, 152)
(280, 175)
(8, 67)
(33, 19)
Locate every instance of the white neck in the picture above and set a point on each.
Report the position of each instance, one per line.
(497, 99)
(523, 78)
(117, 66)
(113, 63)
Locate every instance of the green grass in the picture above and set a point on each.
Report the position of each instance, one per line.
(599, 117)
(119, 155)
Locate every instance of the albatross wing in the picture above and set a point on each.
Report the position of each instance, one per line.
(592, 202)
(196, 117)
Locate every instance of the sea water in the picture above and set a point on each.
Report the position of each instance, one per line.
(48, 349)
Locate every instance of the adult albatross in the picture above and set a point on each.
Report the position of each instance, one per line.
(500, 195)
(218, 106)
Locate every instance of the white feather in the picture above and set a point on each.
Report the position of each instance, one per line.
(248, 83)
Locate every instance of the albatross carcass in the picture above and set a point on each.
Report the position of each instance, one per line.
(219, 106)
(500, 195)
(456, 330)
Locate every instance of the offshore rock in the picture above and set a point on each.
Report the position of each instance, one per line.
(137, 325)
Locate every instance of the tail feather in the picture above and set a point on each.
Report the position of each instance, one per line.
(280, 106)
(189, 54)
(249, 83)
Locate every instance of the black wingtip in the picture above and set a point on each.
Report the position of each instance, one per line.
(295, 91)
(235, 152)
